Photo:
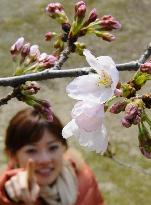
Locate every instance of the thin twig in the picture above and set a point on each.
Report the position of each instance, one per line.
(137, 169)
(7, 98)
(63, 57)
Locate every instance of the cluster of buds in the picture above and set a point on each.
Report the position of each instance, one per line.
(44, 107)
(144, 138)
(80, 26)
(133, 113)
(109, 23)
(26, 94)
(146, 67)
(56, 11)
(31, 60)
(29, 88)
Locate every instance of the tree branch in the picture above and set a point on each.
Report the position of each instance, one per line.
(55, 72)
(7, 98)
(63, 57)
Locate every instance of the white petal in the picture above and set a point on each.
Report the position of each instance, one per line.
(91, 59)
(106, 93)
(88, 115)
(109, 66)
(70, 129)
(94, 141)
(85, 88)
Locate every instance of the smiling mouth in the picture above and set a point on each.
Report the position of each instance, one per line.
(44, 171)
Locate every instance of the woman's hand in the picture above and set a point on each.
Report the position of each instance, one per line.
(23, 186)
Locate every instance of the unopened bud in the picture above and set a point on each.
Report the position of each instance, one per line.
(53, 8)
(105, 36)
(66, 27)
(126, 123)
(49, 35)
(109, 23)
(45, 109)
(30, 88)
(80, 13)
(78, 4)
(118, 107)
(34, 52)
(17, 46)
(49, 61)
(56, 11)
(42, 57)
(25, 50)
(92, 16)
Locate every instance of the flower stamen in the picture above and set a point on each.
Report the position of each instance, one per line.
(104, 80)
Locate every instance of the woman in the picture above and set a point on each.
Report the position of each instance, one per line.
(41, 170)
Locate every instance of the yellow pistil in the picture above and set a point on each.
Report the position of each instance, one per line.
(105, 80)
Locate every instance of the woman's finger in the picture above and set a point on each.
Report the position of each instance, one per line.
(15, 185)
(10, 191)
(32, 184)
(30, 172)
(35, 191)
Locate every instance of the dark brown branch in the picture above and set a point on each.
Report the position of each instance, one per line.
(7, 98)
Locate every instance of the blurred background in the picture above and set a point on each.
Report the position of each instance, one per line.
(120, 185)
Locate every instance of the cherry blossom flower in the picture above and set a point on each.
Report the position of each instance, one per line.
(96, 87)
(87, 126)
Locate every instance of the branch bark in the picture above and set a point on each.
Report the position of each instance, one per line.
(55, 72)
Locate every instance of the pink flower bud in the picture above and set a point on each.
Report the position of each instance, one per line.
(25, 50)
(48, 36)
(45, 109)
(17, 46)
(53, 8)
(78, 4)
(80, 13)
(126, 123)
(92, 16)
(49, 61)
(131, 111)
(34, 52)
(42, 57)
(30, 88)
(118, 107)
(109, 23)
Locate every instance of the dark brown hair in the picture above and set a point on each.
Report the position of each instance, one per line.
(27, 127)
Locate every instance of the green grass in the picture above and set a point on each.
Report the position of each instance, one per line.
(120, 185)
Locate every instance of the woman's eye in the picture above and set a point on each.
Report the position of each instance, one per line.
(53, 148)
(31, 151)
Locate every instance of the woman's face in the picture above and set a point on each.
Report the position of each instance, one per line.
(47, 155)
